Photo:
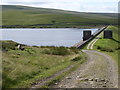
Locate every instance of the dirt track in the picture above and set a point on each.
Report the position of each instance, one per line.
(91, 44)
(100, 71)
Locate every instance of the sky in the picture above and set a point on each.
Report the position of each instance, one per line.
(102, 6)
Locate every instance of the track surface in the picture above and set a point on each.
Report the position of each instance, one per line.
(100, 71)
(91, 44)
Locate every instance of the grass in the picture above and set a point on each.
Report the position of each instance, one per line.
(21, 68)
(110, 46)
(22, 16)
(7, 45)
(57, 51)
(0, 70)
(109, 43)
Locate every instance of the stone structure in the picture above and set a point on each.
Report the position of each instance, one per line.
(86, 35)
(107, 34)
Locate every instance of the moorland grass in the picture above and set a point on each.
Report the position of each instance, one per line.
(29, 17)
(21, 68)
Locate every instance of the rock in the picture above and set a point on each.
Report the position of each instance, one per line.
(68, 78)
(103, 80)
(91, 82)
(93, 86)
(56, 83)
(90, 79)
(107, 80)
(116, 86)
(85, 79)
(60, 86)
(99, 83)
(78, 76)
(97, 79)
(104, 86)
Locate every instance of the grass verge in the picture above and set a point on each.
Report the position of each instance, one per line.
(22, 68)
(58, 78)
(110, 46)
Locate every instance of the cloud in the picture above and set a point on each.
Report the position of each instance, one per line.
(73, 5)
(59, 1)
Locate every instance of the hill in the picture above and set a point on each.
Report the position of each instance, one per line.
(24, 16)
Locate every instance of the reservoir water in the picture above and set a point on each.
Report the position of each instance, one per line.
(45, 37)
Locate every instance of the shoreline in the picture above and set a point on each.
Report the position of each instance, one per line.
(40, 27)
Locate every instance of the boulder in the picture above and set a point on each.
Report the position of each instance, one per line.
(68, 78)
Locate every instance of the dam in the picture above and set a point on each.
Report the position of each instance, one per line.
(82, 43)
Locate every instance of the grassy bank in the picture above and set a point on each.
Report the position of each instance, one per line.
(15, 16)
(22, 68)
(110, 46)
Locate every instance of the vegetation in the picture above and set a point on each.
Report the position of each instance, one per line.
(77, 58)
(14, 16)
(110, 46)
(8, 45)
(22, 68)
(57, 51)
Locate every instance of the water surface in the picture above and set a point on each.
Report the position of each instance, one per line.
(45, 37)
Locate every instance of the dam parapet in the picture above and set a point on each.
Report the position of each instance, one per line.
(88, 38)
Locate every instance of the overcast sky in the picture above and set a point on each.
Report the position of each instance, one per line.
(110, 6)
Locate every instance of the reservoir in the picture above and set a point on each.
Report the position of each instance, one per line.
(45, 37)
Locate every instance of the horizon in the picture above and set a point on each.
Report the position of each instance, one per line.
(95, 6)
(60, 9)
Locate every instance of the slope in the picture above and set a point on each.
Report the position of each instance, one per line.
(30, 16)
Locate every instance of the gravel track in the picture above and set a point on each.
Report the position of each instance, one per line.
(91, 44)
(100, 71)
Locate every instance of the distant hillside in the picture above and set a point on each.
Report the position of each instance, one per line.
(24, 16)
